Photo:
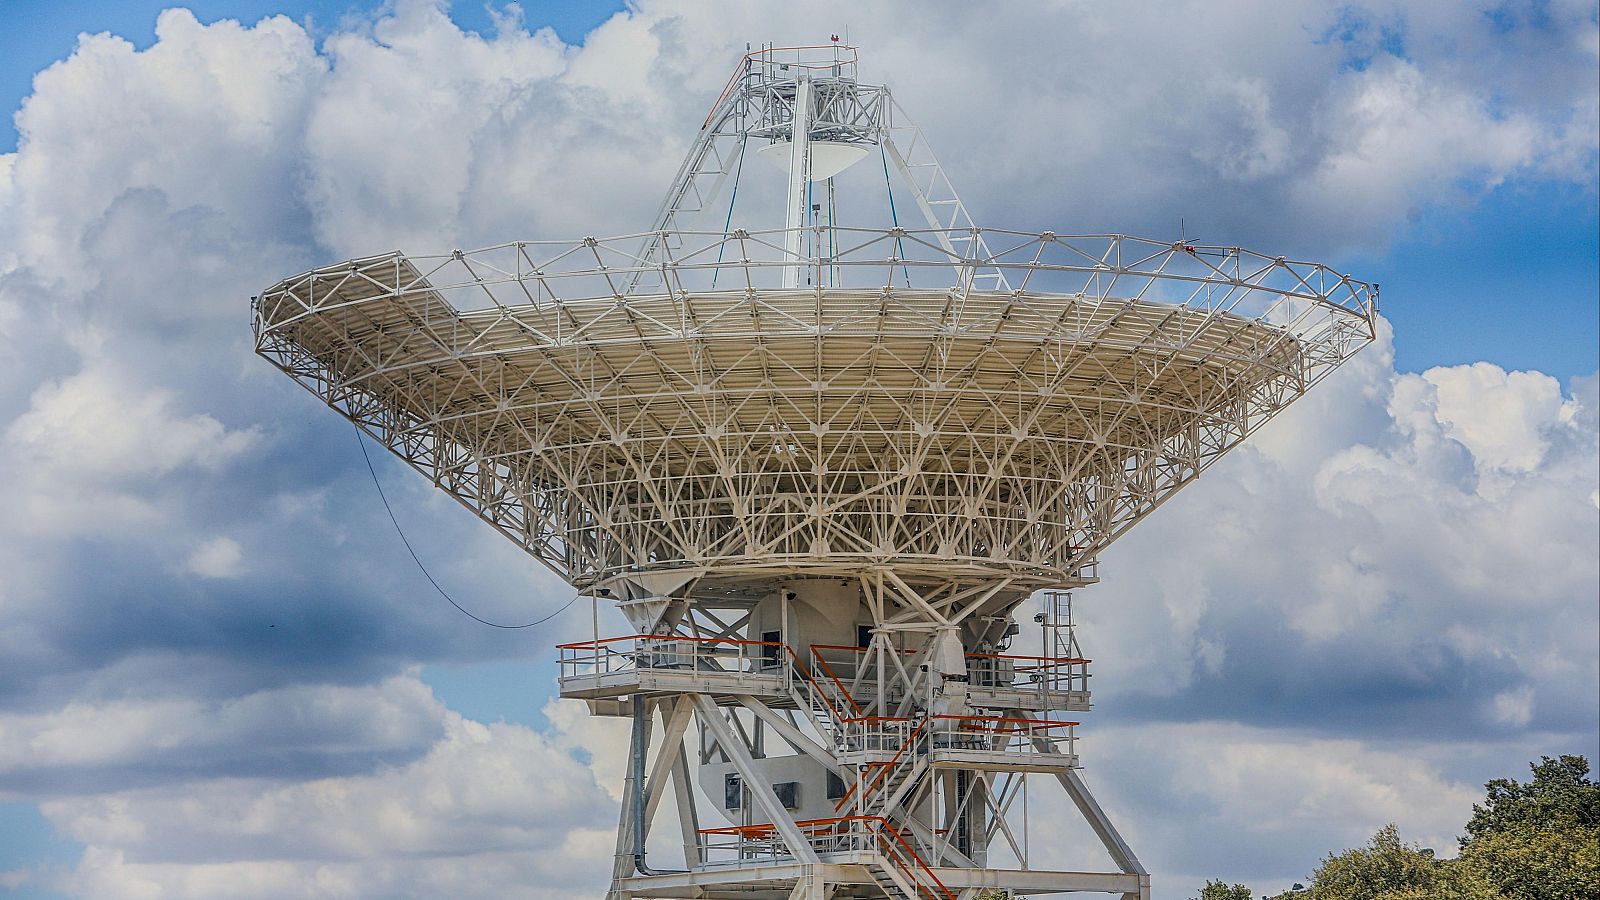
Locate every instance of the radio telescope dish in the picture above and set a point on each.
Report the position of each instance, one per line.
(819, 462)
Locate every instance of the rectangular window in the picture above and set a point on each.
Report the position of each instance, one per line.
(835, 787)
(863, 635)
(788, 794)
(770, 649)
(732, 792)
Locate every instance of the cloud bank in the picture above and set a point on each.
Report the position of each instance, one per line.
(211, 635)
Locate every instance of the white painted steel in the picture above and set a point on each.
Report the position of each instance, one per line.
(828, 158)
(935, 429)
(763, 443)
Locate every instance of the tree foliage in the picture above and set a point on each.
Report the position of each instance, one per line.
(1389, 869)
(1534, 841)
(1560, 796)
(1538, 864)
(1221, 890)
(1539, 840)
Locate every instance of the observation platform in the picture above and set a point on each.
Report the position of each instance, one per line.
(610, 668)
(866, 873)
(855, 850)
(998, 681)
(971, 742)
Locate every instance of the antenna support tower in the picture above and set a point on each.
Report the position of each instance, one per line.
(822, 469)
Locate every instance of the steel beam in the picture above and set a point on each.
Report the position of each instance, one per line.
(712, 718)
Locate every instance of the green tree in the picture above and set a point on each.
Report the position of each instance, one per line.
(1539, 840)
(1221, 890)
(1538, 863)
(1559, 796)
(1389, 869)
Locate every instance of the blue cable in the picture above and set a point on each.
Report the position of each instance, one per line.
(738, 170)
(900, 246)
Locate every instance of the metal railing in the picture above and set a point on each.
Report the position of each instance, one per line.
(874, 734)
(1042, 674)
(1294, 294)
(742, 844)
(674, 652)
(1003, 735)
(1046, 674)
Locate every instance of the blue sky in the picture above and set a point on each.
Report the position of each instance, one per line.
(211, 630)
(1509, 279)
(37, 34)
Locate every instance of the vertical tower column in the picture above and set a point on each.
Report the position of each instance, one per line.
(799, 179)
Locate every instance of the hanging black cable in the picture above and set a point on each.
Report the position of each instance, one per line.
(396, 523)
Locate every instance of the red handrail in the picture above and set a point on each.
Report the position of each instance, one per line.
(882, 828)
(806, 674)
(836, 682)
(1052, 660)
(884, 769)
(580, 645)
(595, 644)
(763, 827)
(854, 649)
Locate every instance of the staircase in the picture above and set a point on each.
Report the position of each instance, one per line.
(899, 871)
(830, 704)
(903, 874)
(892, 883)
(886, 784)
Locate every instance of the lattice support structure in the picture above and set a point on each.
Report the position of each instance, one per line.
(820, 467)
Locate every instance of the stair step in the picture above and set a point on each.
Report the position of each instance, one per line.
(887, 884)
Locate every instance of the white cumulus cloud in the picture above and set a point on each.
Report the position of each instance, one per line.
(486, 811)
(217, 558)
(208, 625)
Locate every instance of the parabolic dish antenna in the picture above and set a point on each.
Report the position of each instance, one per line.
(819, 449)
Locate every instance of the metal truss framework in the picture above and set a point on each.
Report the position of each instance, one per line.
(921, 800)
(760, 103)
(753, 439)
(939, 432)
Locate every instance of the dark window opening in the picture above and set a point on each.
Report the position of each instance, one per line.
(770, 649)
(788, 794)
